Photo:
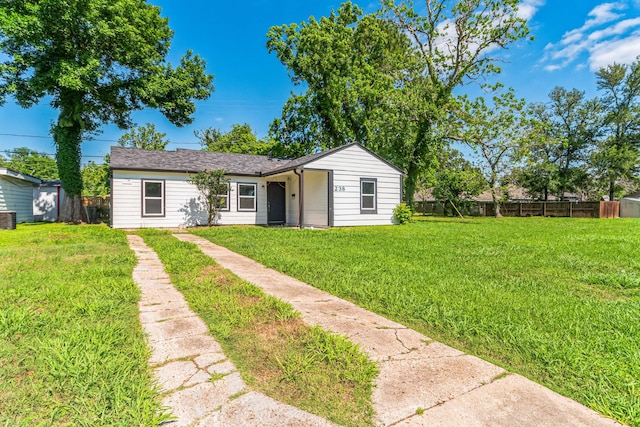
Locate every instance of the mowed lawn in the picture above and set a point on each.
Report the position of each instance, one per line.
(557, 300)
(72, 351)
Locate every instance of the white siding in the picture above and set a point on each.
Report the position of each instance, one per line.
(349, 165)
(183, 207)
(629, 208)
(293, 199)
(316, 198)
(17, 195)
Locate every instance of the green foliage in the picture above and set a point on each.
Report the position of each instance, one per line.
(616, 156)
(240, 139)
(95, 179)
(72, 351)
(97, 62)
(494, 133)
(144, 137)
(25, 160)
(214, 189)
(402, 213)
(457, 180)
(559, 308)
(275, 351)
(386, 80)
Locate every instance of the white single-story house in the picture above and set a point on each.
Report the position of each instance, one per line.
(630, 206)
(16, 194)
(345, 186)
(47, 201)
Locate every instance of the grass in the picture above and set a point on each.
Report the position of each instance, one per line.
(72, 351)
(275, 352)
(557, 300)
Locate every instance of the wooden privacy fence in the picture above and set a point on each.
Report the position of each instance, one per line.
(96, 208)
(524, 209)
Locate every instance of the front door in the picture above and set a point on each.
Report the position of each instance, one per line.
(276, 203)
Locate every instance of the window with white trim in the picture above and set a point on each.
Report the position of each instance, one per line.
(223, 200)
(247, 197)
(368, 199)
(152, 197)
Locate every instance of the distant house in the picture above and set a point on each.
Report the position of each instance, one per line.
(47, 200)
(16, 194)
(345, 186)
(630, 206)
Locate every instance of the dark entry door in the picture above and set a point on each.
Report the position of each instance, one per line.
(276, 203)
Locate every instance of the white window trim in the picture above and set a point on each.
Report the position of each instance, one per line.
(227, 208)
(373, 210)
(145, 197)
(254, 197)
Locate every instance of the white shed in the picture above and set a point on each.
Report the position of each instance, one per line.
(630, 206)
(47, 201)
(16, 193)
(345, 186)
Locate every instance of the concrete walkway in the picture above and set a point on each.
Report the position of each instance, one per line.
(421, 382)
(200, 386)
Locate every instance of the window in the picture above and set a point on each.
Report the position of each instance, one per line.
(368, 202)
(223, 203)
(152, 198)
(246, 197)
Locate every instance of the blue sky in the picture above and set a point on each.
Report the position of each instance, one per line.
(573, 38)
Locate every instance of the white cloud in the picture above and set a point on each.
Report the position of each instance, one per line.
(528, 8)
(622, 51)
(605, 37)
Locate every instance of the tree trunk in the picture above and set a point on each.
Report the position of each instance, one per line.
(67, 135)
(612, 190)
(496, 202)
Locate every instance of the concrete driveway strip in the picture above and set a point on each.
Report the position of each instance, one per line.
(421, 382)
(199, 386)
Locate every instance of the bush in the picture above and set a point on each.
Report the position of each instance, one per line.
(402, 213)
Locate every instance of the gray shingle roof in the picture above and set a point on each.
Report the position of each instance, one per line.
(183, 160)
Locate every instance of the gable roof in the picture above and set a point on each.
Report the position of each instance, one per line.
(302, 161)
(184, 160)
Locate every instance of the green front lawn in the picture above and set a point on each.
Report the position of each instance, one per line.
(557, 300)
(72, 351)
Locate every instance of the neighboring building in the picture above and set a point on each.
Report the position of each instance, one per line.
(47, 201)
(345, 186)
(630, 206)
(16, 194)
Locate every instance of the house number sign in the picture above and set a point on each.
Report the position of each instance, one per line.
(338, 188)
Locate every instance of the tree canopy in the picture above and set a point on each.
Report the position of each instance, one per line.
(95, 62)
(144, 137)
(32, 163)
(386, 80)
(240, 139)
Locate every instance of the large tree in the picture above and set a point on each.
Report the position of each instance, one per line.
(540, 155)
(494, 132)
(457, 42)
(95, 61)
(356, 69)
(240, 139)
(386, 80)
(31, 162)
(617, 155)
(575, 124)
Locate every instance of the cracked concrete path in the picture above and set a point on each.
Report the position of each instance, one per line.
(199, 385)
(421, 381)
